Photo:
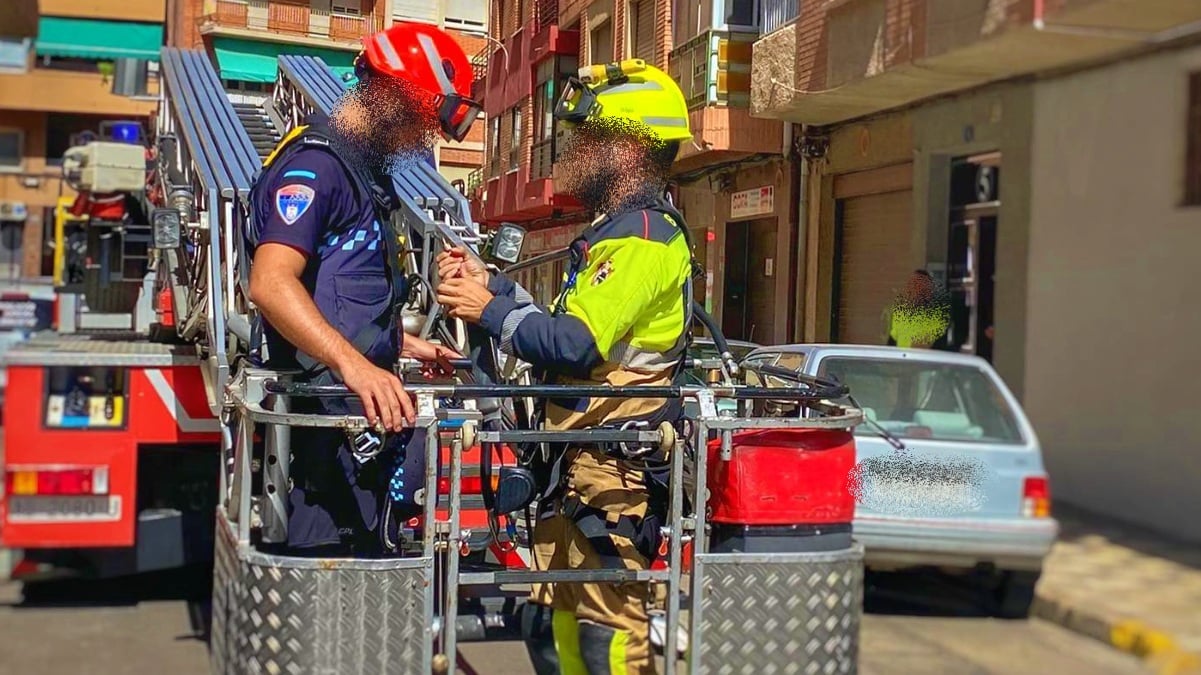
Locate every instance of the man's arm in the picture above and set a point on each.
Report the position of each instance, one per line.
(276, 288)
(294, 215)
(621, 282)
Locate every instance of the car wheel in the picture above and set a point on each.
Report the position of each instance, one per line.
(1014, 595)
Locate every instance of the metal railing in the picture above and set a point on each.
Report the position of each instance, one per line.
(776, 14)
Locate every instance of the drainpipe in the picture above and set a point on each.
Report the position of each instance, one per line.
(802, 236)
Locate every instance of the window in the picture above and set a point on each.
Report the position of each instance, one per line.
(640, 43)
(63, 131)
(468, 14)
(494, 146)
(413, 10)
(14, 53)
(600, 43)
(350, 7)
(12, 142)
(1192, 170)
(937, 401)
(740, 12)
(515, 138)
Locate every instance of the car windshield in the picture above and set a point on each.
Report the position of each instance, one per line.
(914, 399)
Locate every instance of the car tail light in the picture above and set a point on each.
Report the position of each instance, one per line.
(1036, 497)
(57, 482)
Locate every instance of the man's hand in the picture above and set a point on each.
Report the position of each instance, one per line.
(456, 263)
(466, 299)
(436, 357)
(383, 395)
(276, 288)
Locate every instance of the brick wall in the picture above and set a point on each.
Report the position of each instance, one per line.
(182, 19)
(663, 43)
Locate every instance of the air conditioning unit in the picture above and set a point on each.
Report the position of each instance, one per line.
(13, 212)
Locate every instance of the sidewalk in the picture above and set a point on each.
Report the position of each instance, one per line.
(1139, 592)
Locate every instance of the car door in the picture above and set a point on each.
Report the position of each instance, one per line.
(967, 450)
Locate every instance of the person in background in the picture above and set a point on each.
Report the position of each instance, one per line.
(920, 315)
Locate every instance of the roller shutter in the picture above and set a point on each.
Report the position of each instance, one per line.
(643, 30)
(873, 247)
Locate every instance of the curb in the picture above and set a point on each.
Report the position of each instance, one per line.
(1160, 650)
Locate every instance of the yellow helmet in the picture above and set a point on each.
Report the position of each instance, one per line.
(631, 90)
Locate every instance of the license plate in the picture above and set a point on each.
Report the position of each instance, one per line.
(57, 509)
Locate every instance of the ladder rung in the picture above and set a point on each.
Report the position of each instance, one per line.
(561, 576)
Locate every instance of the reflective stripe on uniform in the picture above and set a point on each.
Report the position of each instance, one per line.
(567, 643)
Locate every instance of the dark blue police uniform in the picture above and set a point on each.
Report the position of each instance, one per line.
(316, 203)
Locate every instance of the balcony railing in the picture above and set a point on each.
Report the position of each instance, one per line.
(293, 17)
(475, 182)
(546, 12)
(776, 14)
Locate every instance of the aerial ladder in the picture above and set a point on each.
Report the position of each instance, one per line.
(125, 441)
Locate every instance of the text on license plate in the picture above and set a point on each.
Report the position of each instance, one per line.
(54, 509)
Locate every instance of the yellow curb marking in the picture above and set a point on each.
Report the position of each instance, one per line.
(1155, 646)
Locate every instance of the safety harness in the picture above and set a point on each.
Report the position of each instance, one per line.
(547, 462)
(315, 134)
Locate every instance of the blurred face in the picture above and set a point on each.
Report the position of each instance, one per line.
(604, 164)
(919, 288)
(387, 120)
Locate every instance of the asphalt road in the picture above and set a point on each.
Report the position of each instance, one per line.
(916, 624)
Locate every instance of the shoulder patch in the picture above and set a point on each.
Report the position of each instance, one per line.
(602, 272)
(291, 201)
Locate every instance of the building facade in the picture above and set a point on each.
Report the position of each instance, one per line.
(245, 37)
(56, 82)
(1041, 158)
(733, 183)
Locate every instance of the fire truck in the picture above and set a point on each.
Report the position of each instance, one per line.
(112, 450)
(143, 436)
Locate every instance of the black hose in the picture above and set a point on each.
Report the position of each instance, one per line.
(719, 338)
(823, 388)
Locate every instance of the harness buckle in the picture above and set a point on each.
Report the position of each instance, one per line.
(366, 446)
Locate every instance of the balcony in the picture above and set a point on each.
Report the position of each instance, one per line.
(292, 21)
(843, 60)
(68, 91)
(714, 68)
(150, 11)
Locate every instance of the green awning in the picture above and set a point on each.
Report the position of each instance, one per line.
(98, 39)
(251, 61)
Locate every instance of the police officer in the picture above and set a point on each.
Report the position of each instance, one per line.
(621, 319)
(326, 278)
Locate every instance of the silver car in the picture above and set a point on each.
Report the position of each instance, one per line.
(949, 471)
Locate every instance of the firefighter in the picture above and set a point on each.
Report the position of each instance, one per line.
(326, 279)
(621, 319)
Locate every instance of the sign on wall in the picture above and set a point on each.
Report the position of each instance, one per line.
(759, 201)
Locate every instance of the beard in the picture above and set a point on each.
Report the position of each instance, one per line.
(607, 167)
(386, 123)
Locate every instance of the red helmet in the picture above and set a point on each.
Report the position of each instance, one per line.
(429, 58)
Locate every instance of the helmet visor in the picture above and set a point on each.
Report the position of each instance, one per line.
(456, 114)
(577, 103)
